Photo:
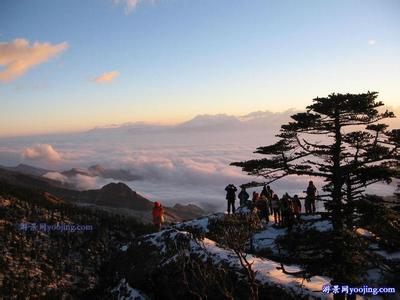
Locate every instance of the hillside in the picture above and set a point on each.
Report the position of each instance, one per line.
(220, 256)
(42, 264)
(117, 198)
(225, 256)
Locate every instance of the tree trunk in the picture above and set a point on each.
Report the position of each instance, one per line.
(338, 250)
(337, 220)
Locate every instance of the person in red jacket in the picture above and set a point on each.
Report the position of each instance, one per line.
(158, 215)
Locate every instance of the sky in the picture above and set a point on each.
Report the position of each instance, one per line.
(72, 65)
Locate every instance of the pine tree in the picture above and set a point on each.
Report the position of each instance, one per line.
(340, 140)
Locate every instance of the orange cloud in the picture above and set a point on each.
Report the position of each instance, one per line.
(106, 77)
(43, 152)
(17, 57)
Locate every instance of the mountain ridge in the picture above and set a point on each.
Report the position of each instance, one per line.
(113, 195)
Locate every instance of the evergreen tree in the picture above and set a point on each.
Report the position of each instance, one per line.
(339, 138)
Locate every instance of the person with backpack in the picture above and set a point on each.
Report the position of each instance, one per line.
(270, 193)
(262, 208)
(264, 192)
(286, 211)
(275, 203)
(231, 197)
(311, 197)
(243, 196)
(296, 205)
(158, 215)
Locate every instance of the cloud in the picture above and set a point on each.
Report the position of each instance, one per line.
(106, 77)
(130, 5)
(371, 42)
(18, 56)
(175, 166)
(79, 181)
(42, 152)
(56, 176)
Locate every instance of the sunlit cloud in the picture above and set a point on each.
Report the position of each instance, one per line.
(371, 42)
(41, 152)
(18, 56)
(106, 77)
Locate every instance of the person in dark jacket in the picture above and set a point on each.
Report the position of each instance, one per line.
(275, 207)
(231, 197)
(270, 194)
(296, 206)
(262, 208)
(264, 192)
(286, 210)
(310, 198)
(243, 196)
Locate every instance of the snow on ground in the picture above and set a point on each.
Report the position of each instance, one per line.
(323, 225)
(310, 217)
(374, 275)
(388, 255)
(126, 292)
(266, 238)
(266, 270)
(200, 224)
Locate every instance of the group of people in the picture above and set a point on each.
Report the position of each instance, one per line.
(285, 210)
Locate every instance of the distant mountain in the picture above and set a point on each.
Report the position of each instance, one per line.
(100, 171)
(116, 195)
(220, 121)
(27, 169)
(117, 174)
(126, 128)
(113, 195)
(92, 171)
(186, 212)
(259, 120)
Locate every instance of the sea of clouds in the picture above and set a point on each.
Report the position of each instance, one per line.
(188, 163)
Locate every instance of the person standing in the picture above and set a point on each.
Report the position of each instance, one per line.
(255, 197)
(264, 192)
(243, 196)
(262, 208)
(231, 197)
(296, 204)
(275, 207)
(158, 215)
(311, 196)
(286, 211)
(270, 193)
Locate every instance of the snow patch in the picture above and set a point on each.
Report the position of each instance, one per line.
(126, 292)
(322, 226)
(199, 224)
(266, 239)
(266, 269)
(390, 256)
